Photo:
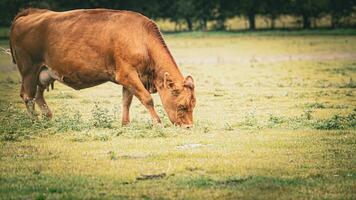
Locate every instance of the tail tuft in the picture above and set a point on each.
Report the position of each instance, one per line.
(11, 52)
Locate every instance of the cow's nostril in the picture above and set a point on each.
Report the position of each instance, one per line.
(187, 126)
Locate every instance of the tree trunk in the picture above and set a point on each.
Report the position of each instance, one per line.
(190, 24)
(273, 21)
(220, 24)
(175, 26)
(334, 20)
(306, 21)
(204, 24)
(252, 21)
(315, 24)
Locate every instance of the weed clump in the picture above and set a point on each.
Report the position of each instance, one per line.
(315, 105)
(68, 122)
(16, 124)
(305, 120)
(350, 84)
(250, 121)
(336, 122)
(113, 155)
(274, 121)
(101, 117)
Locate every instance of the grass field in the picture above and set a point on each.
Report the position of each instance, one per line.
(275, 119)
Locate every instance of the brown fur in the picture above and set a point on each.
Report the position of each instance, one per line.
(84, 48)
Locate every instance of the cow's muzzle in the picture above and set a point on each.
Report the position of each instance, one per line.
(187, 126)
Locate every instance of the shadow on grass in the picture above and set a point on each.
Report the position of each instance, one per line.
(40, 186)
(261, 182)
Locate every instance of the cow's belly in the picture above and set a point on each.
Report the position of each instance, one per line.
(79, 79)
(79, 84)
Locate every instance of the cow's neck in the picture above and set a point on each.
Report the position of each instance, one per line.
(164, 62)
(173, 72)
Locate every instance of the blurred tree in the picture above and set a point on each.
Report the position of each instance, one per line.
(185, 9)
(339, 9)
(224, 9)
(250, 8)
(200, 12)
(9, 9)
(204, 12)
(308, 9)
(274, 9)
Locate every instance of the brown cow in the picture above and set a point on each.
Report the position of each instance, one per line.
(85, 48)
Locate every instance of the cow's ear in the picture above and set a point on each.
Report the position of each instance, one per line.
(168, 82)
(189, 82)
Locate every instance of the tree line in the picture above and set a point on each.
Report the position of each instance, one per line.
(196, 14)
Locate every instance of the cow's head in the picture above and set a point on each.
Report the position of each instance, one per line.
(179, 100)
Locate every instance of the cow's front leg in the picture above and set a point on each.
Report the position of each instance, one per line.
(126, 103)
(132, 82)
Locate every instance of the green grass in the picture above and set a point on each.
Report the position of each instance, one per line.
(266, 32)
(275, 119)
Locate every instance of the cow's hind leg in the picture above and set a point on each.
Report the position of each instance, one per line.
(42, 103)
(29, 87)
(29, 69)
(126, 102)
(29, 84)
(29, 102)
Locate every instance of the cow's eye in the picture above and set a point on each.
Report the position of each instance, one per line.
(182, 108)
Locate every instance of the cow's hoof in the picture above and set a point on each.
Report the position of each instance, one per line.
(125, 123)
(47, 116)
(158, 125)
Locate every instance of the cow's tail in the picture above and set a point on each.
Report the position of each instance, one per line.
(12, 53)
(11, 39)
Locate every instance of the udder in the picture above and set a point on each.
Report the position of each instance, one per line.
(46, 78)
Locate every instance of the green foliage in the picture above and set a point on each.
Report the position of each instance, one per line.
(250, 121)
(337, 122)
(274, 121)
(305, 120)
(70, 122)
(315, 105)
(307, 114)
(15, 123)
(350, 84)
(101, 117)
(113, 155)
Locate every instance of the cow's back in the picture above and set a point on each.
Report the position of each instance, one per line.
(84, 42)
(36, 27)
